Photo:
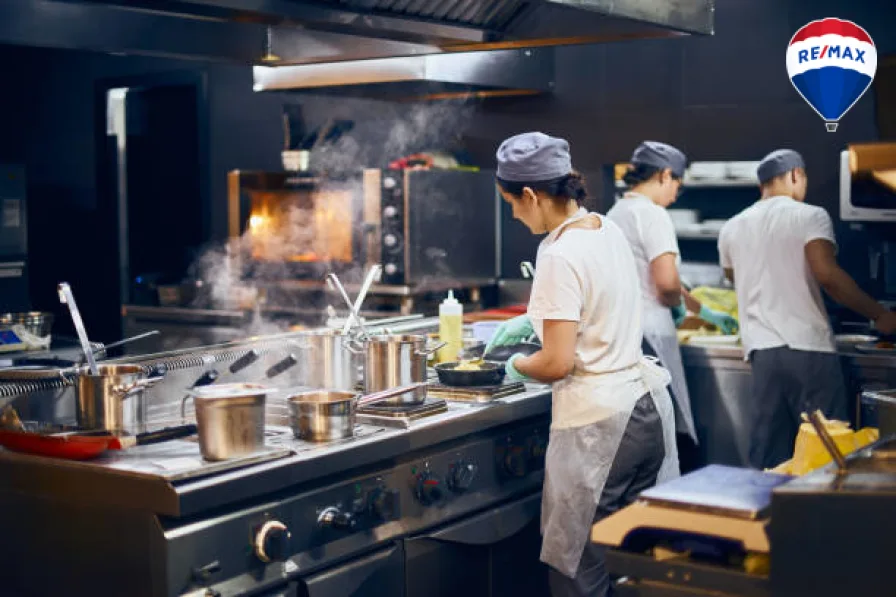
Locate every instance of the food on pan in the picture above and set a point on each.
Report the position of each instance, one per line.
(469, 366)
(885, 345)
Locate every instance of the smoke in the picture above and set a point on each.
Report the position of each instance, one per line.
(244, 273)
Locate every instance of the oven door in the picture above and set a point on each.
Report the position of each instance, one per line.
(377, 574)
(494, 553)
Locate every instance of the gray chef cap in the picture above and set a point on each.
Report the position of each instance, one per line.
(662, 156)
(533, 157)
(777, 163)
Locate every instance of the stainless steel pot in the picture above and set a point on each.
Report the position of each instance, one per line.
(396, 360)
(230, 418)
(114, 399)
(330, 360)
(323, 416)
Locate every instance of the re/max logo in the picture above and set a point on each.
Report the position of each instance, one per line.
(844, 53)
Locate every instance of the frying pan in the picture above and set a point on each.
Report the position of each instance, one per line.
(75, 446)
(489, 374)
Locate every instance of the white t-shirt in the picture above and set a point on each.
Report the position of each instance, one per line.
(650, 232)
(588, 276)
(779, 300)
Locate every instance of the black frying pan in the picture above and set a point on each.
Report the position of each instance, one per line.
(488, 374)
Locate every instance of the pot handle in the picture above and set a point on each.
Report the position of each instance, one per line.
(377, 396)
(430, 349)
(205, 379)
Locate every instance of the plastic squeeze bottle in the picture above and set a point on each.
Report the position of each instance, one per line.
(451, 329)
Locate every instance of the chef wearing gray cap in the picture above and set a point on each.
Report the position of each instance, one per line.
(654, 180)
(612, 420)
(779, 252)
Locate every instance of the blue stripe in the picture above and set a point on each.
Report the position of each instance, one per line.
(831, 90)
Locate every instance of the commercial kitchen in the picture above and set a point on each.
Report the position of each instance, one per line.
(265, 282)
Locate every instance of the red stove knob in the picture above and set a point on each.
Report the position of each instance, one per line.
(429, 489)
(271, 541)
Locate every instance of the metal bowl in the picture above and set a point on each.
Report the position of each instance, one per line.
(38, 323)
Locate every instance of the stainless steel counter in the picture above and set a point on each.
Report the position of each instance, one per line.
(114, 482)
(720, 383)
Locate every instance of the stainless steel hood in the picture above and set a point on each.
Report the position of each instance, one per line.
(315, 31)
(432, 77)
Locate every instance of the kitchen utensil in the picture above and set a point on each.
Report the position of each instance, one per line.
(113, 397)
(66, 296)
(882, 346)
(817, 419)
(488, 374)
(230, 418)
(330, 361)
(79, 446)
(392, 361)
(500, 354)
(353, 315)
(207, 378)
(38, 323)
(106, 347)
(373, 274)
(321, 416)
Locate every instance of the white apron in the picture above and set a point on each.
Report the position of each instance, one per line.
(579, 456)
(659, 331)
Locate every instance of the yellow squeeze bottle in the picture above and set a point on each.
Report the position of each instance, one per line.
(451, 329)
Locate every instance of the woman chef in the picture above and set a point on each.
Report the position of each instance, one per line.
(654, 180)
(612, 427)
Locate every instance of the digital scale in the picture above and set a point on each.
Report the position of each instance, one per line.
(10, 341)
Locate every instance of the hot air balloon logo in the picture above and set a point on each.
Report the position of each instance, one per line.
(831, 63)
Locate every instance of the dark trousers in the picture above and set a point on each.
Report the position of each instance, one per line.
(634, 469)
(786, 383)
(689, 458)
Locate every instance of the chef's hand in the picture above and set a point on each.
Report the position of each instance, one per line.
(513, 331)
(512, 373)
(886, 323)
(679, 312)
(723, 321)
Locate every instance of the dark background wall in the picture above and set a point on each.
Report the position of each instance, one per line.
(725, 97)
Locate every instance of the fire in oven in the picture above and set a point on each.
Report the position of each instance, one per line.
(422, 225)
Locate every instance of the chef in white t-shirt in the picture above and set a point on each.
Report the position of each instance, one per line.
(612, 420)
(779, 253)
(654, 179)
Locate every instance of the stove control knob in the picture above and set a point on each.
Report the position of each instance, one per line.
(390, 269)
(515, 462)
(461, 476)
(335, 518)
(390, 211)
(272, 541)
(390, 240)
(429, 489)
(384, 503)
(389, 182)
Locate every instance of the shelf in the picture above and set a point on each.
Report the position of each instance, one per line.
(712, 235)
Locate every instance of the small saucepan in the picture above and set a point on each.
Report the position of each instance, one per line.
(326, 415)
(486, 374)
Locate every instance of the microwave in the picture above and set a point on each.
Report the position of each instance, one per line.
(863, 199)
(423, 226)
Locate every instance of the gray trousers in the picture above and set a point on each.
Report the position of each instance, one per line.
(786, 383)
(634, 469)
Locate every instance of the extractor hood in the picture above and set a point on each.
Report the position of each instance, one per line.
(316, 31)
(432, 77)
